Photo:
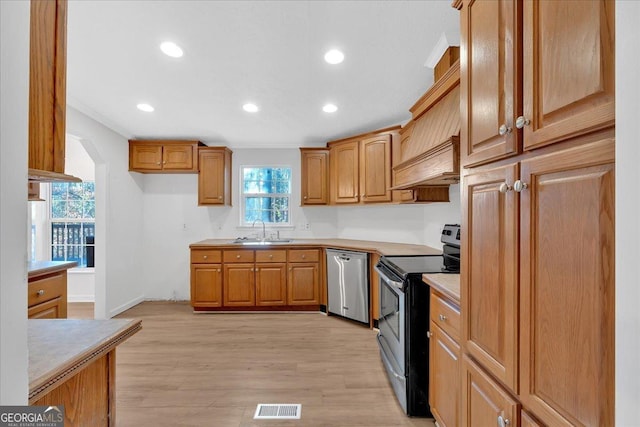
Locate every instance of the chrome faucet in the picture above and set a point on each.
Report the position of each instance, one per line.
(264, 231)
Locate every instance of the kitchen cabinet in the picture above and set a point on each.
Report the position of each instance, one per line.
(163, 156)
(314, 176)
(239, 278)
(271, 277)
(33, 194)
(538, 206)
(444, 360)
(485, 402)
(360, 168)
(47, 289)
(520, 69)
(206, 278)
(214, 177)
(303, 283)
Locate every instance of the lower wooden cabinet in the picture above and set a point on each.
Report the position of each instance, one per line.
(444, 377)
(47, 296)
(484, 402)
(225, 278)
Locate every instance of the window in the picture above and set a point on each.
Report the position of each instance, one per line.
(265, 194)
(73, 212)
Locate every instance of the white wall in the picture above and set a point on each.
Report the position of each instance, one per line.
(14, 81)
(627, 213)
(173, 221)
(119, 216)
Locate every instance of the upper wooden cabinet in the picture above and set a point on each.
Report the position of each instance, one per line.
(163, 156)
(521, 68)
(214, 178)
(47, 91)
(360, 167)
(315, 176)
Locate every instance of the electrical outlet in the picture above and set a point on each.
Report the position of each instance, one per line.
(306, 226)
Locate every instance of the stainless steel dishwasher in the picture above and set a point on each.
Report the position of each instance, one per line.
(348, 284)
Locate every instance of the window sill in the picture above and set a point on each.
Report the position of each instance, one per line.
(258, 227)
(82, 270)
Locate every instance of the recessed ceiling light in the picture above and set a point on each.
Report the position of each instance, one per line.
(334, 56)
(329, 108)
(145, 107)
(250, 108)
(171, 49)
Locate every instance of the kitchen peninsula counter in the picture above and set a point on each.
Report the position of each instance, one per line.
(382, 248)
(40, 268)
(72, 363)
(447, 284)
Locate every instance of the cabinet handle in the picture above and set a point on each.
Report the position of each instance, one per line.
(442, 317)
(503, 422)
(519, 186)
(522, 122)
(504, 187)
(504, 129)
(40, 292)
(428, 334)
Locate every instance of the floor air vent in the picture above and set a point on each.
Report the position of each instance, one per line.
(278, 411)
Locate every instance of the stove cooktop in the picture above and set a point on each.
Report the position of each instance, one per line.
(405, 265)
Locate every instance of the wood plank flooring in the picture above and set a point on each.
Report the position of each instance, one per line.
(186, 369)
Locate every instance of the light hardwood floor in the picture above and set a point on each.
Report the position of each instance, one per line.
(186, 369)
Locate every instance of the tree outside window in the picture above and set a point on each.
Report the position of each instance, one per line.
(266, 193)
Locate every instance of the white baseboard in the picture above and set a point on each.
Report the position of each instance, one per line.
(81, 298)
(126, 306)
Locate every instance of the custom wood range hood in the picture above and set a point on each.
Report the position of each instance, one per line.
(429, 150)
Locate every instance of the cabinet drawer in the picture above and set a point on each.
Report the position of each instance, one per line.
(206, 256)
(239, 256)
(48, 288)
(304, 255)
(46, 310)
(445, 314)
(271, 256)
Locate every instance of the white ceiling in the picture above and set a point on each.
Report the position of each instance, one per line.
(266, 52)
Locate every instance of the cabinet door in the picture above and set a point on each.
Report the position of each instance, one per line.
(271, 284)
(47, 85)
(145, 157)
(375, 169)
(568, 285)
(303, 286)
(178, 157)
(211, 185)
(206, 285)
(47, 310)
(489, 80)
(489, 272)
(239, 285)
(569, 69)
(444, 377)
(484, 402)
(315, 167)
(344, 161)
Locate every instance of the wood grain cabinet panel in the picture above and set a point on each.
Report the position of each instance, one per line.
(47, 296)
(569, 70)
(271, 284)
(375, 169)
(314, 176)
(163, 156)
(214, 177)
(303, 285)
(568, 285)
(489, 272)
(490, 95)
(206, 285)
(239, 285)
(47, 85)
(345, 172)
(484, 402)
(444, 377)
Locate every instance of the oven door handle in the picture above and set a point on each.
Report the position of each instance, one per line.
(387, 361)
(388, 281)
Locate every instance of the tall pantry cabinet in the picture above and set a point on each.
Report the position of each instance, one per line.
(538, 191)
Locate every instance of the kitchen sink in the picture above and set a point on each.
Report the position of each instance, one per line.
(254, 241)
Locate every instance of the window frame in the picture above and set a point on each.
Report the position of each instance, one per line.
(242, 197)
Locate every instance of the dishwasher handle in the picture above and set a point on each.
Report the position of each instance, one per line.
(344, 258)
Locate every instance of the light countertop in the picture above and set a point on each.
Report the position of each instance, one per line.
(382, 248)
(58, 348)
(38, 268)
(447, 284)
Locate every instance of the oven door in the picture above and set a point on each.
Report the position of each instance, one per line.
(391, 338)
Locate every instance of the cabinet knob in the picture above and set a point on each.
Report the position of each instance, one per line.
(40, 292)
(164, 163)
(303, 256)
(504, 187)
(237, 256)
(504, 129)
(158, 163)
(219, 197)
(290, 268)
(442, 317)
(305, 197)
(270, 256)
(522, 122)
(205, 257)
(218, 270)
(428, 334)
(519, 186)
(256, 269)
(503, 422)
